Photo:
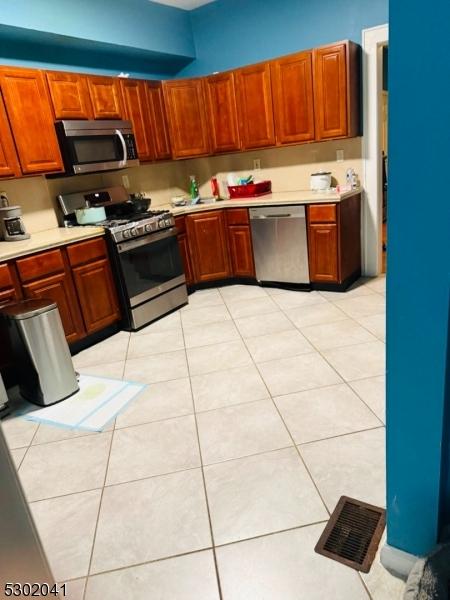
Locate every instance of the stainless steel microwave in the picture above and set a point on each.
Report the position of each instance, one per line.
(92, 146)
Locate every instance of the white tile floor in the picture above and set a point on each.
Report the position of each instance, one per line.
(264, 406)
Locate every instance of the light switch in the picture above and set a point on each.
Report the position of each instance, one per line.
(340, 155)
(256, 164)
(126, 182)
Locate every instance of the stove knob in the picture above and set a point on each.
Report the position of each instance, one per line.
(168, 222)
(161, 223)
(133, 232)
(148, 227)
(126, 233)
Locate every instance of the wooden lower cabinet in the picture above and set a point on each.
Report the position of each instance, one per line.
(241, 251)
(59, 288)
(323, 252)
(9, 292)
(208, 245)
(334, 241)
(185, 257)
(97, 295)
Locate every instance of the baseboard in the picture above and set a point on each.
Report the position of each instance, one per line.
(396, 561)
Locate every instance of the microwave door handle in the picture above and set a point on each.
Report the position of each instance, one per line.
(122, 163)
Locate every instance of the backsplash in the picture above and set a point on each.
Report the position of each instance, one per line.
(290, 169)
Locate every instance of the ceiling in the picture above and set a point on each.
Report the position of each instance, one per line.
(184, 4)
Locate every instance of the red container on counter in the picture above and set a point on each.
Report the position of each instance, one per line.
(252, 190)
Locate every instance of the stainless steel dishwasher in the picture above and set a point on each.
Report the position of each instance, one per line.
(280, 244)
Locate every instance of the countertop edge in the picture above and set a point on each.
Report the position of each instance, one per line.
(49, 244)
(276, 198)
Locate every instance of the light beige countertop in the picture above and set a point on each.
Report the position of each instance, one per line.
(296, 197)
(51, 238)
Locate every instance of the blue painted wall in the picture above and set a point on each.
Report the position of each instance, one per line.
(110, 35)
(418, 291)
(232, 33)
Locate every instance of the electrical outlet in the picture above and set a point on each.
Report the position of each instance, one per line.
(256, 164)
(126, 182)
(340, 155)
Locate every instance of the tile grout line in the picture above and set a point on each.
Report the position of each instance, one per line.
(205, 549)
(98, 514)
(288, 431)
(205, 491)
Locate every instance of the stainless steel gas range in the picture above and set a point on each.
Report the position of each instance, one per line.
(144, 253)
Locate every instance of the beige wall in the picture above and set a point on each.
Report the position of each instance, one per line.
(289, 169)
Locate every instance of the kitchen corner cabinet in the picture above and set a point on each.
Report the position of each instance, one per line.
(208, 246)
(222, 112)
(94, 284)
(70, 95)
(136, 110)
(293, 101)
(255, 110)
(9, 164)
(336, 90)
(240, 243)
(105, 97)
(158, 120)
(334, 241)
(31, 119)
(186, 111)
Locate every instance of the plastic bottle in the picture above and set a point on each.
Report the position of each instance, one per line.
(193, 190)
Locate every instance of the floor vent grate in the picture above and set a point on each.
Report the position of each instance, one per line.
(353, 533)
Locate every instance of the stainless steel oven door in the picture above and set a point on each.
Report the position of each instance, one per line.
(150, 265)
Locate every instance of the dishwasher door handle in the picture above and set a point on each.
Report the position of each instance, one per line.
(275, 216)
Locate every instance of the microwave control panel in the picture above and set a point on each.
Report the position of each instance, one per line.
(131, 146)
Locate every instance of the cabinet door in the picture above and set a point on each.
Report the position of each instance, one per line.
(292, 85)
(208, 245)
(323, 252)
(136, 111)
(9, 292)
(185, 257)
(30, 115)
(9, 165)
(222, 112)
(70, 95)
(59, 288)
(105, 97)
(241, 251)
(158, 120)
(97, 294)
(330, 91)
(186, 113)
(255, 110)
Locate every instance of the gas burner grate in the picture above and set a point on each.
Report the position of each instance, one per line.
(353, 533)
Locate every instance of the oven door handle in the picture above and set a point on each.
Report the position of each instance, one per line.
(146, 239)
(124, 161)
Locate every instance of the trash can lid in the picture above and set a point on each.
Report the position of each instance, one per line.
(25, 309)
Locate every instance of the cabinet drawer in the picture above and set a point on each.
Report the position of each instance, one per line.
(322, 213)
(6, 280)
(85, 252)
(180, 224)
(237, 216)
(40, 265)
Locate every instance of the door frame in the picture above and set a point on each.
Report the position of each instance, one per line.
(373, 40)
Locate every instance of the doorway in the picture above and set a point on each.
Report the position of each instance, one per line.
(375, 40)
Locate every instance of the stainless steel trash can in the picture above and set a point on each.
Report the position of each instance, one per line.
(41, 352)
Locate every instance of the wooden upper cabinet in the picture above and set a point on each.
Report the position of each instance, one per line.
(255, 110)
(30, 115)
(70, 95)
(222, 112)
(158, 120)
(186, 113)
(105, 97)
(292, 87)
(9, 165)
(208, 245)
(336, 90)
(136, 110)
